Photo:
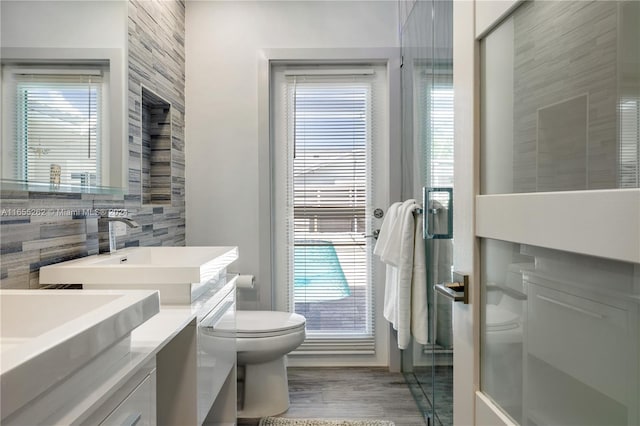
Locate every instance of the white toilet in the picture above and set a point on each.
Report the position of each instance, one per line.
(263, 339)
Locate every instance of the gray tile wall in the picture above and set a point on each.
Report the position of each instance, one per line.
(29, 241)
(564, 50)
(156, 149)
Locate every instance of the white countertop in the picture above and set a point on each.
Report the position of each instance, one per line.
(146, 341)
(58, 338)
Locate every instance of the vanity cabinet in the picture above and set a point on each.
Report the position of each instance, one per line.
(138, 409)
(181, 371)
(132, 404)
(197, 368)
(194, 351)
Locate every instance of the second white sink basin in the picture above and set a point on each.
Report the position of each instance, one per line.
(46, 335)
(180, 273)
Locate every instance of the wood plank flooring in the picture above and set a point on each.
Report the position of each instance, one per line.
(349, 393)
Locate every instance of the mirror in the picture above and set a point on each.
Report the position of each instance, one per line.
(64, 96)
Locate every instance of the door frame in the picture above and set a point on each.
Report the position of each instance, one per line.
(266, 293)
(466, 318)
(569, 226)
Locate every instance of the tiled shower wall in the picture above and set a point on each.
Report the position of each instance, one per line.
(547, 74)
(156, 60)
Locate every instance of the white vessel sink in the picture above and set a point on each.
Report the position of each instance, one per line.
(46, 335)
(180, 273)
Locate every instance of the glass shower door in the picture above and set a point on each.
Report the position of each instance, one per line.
(427, 90)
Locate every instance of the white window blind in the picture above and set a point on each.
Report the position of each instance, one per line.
(436, 135)
(329, 134)
(629, 161)
(58, 119)
(436, 143)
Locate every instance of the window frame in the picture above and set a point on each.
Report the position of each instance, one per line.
(359, 81)
(371, 350)
(43, 72)
(116, 147)
(390, 177)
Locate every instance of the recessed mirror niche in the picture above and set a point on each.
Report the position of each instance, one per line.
(156, 149)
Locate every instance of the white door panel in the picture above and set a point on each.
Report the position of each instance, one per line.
(465, 371)
(597, 223)
(602, 223)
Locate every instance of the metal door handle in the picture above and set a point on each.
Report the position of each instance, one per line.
(458, 290)
(432, 211)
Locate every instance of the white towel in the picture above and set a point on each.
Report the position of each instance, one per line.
(385, 229)
(441, 250)
(400, 231)
(390, 306)
(441, 253)
(401, 247)
(389, 310)
(419, 306)
(400, 250)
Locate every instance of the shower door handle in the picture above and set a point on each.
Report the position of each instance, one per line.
(431, 211)
(458, 290)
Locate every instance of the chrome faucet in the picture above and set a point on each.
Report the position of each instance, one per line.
(112, 231)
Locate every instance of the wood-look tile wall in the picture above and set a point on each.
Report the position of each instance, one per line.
(49, 227)
(565, 52)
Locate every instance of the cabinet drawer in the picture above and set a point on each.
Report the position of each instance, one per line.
(138, 408)
(585, 339)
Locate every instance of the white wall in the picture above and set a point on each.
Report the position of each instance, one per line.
(64, 24)
(223, 42)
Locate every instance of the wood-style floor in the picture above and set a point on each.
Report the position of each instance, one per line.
(349, 393)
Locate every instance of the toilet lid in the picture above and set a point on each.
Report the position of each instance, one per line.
(267, 322)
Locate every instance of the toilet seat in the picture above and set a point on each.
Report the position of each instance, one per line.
(262, 324)
(256, 324)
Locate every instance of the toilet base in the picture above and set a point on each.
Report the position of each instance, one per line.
(266, 389)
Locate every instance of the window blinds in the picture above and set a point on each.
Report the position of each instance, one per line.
(435, 110)
(329, 137)
(629, 157)
(436, 135)
(58, 125)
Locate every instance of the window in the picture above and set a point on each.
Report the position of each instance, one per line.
(436, 108)
(629, 156)
(325, 134)
(330, 137)
(58, 127)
